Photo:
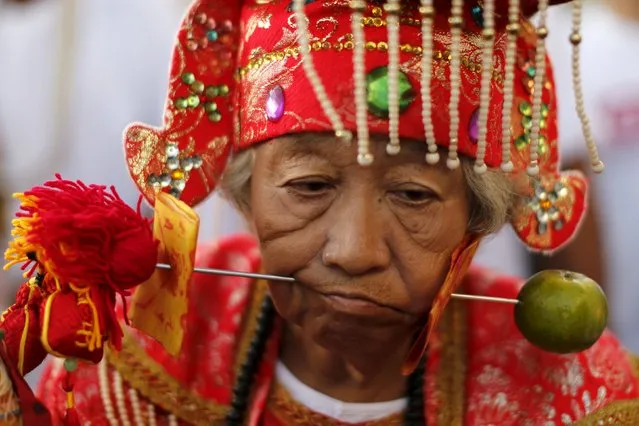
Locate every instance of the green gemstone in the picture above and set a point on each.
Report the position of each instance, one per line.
(526, 109)
(209, 107)
(522, 141)
(543, 123)
(212, 92)
(188, 78)
(197, 87)
(193, 101)
(215, 116)
(181, 103)
(545, 109)
(527, 122)
(531, 71)
(377, 92)
(224, 90)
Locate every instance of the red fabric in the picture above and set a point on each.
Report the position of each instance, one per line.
(507, 379)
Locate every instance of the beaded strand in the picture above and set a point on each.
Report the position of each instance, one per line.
(488, 36)
(393, 8)
(364, 156)
(575, 39)
(513, 30)
(427, 12)
(540, 76)
(311, 73)
(456, 23)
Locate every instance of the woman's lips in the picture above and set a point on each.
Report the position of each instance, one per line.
(356, 305)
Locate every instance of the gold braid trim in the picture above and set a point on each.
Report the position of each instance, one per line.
(624, 413)
(152, 381)
(452, 369)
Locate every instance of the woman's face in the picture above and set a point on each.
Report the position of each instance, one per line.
(368, 246)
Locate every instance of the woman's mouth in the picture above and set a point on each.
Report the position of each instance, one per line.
(357, 305)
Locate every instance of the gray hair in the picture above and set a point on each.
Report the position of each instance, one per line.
(491, 194)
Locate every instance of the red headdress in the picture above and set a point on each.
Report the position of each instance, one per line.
(470, 78)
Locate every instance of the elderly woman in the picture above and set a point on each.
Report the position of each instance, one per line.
(369, 173)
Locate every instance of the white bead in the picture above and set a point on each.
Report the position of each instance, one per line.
(480, 169)
(392, 149)
(533, 170)
(507, 167)
(598, 167)
(432, 158)
(365, 159)
(452, 163)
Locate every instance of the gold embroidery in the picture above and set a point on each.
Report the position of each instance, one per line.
(439, 56)
(624, 413)
(291, 412)
(452, 370)
(152, 381)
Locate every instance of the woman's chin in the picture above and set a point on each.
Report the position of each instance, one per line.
(356, 337)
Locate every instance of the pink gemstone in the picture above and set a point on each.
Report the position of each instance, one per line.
(473, 126)
(275, 104)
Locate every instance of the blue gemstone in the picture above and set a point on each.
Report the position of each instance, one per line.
(212, 35)
(478, 15)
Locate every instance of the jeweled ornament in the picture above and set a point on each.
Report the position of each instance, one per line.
(275, 104)
(561, 311)
(377, 92)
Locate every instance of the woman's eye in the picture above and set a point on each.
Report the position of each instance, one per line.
(309, 187)
(413, 196)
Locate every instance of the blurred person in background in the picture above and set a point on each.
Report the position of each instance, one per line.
(605, 246)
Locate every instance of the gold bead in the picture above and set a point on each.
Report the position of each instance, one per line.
(326, 45)
(488, 34)
(371, 45)
(382, 46)
(513, 29)
(338, 46)
(349, 45)
(358, 5)
(317, 45)
(392, 9)
(377, 11)
(542, 32)
(456, 21)
(575, 39)
(427, 11)
(378, 22)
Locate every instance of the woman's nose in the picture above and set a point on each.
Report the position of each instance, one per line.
(356, 241)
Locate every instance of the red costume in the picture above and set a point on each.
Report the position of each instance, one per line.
(239, 78)
(480, 371)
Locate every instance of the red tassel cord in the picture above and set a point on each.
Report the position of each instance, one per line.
(71, 418)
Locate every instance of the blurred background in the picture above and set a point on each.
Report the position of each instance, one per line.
(74, 73)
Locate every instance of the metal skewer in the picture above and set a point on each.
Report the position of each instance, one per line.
(226, 272)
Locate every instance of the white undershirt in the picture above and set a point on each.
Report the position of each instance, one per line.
(346, 412)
